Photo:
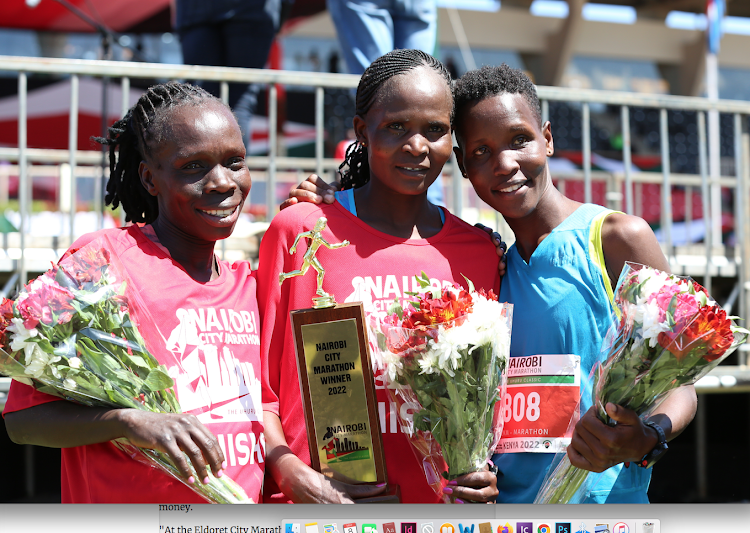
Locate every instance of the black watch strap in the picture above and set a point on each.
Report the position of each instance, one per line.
(659, 450)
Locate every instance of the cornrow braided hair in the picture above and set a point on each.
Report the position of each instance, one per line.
(489, 81)
(134, 136)
(355, 170)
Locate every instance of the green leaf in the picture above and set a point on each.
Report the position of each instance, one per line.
(158, 380)
(396, 308)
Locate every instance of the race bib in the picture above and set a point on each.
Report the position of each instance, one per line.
(541, 400)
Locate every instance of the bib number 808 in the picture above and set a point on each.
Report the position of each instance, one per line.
(518, 406)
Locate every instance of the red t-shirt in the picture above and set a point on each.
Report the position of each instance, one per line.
(209, 340)
(375, 268)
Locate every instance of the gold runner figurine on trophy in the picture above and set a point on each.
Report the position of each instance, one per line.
(315, 235)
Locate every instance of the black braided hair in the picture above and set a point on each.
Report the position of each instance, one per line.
(355, 170)
(489, 81)
(134, 136)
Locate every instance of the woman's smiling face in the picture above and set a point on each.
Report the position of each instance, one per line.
(198, 173)
(503, 152)
(407, 130)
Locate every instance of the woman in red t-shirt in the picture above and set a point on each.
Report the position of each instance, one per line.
(403, 130)
(180, 170)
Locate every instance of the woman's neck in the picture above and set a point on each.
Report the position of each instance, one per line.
(553, 208)
(195, 256)
(401, 215)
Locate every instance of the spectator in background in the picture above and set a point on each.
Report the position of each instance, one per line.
(368, 29)
(230, 33)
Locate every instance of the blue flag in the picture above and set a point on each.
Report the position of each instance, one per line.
(715, 10)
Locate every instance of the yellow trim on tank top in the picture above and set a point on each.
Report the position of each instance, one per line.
(597, 253)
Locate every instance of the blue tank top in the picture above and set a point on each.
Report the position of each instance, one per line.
(563, 305)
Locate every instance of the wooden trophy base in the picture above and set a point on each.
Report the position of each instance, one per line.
(392, 494)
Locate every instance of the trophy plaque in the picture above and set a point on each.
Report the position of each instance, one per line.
(337, 383)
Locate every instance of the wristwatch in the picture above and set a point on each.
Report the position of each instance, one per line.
(659, 450)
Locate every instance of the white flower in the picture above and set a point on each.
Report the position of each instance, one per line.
(70, 384)
(428, 362)
(647, 314)
(39, 361)
(35, 360)
(654, 280)
(74, 362)
(21, 335)
(483, 326)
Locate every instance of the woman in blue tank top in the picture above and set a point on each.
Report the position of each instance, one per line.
(560, 273)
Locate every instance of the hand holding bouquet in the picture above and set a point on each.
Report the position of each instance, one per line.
(670, 334)
(71, 333)
(444, 357)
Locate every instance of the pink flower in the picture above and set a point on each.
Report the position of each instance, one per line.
(42, 300)
(685, 309)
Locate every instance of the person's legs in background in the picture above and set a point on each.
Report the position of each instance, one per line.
(241, 40)
(203, 45)
(365, 30)
(248, 44)
(415, 24)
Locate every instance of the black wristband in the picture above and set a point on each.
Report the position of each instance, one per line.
(658, 451)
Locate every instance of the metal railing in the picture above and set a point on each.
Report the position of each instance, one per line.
(709, 184)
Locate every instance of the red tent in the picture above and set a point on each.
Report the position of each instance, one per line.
(48, 15)
(138, 16)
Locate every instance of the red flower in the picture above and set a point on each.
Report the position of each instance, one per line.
(6, 314)
(488, 295)
(43, 299)
(709, 333)
(85, 265)
(449, 307)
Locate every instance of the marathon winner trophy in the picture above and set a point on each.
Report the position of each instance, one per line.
(336, 381)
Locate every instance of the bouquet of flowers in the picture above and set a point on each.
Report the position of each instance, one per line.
(670, 334)
(444, 357)
(71, 333)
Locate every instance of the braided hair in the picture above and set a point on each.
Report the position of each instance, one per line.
(489, 81)
(134, 137)
(355, 170)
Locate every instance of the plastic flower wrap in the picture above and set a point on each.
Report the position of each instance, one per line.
(72, 333)
(670, 334)
(444, 359)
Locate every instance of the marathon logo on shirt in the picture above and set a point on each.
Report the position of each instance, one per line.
(206, 343)
(219, 325)
(377, 293)
(389, 412)
(243, 448)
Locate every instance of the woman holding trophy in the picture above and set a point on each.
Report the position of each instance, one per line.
(403, 127)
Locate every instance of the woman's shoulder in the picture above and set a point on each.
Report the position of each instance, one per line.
(114, 239)
(299, 212)
(302, 216)
(460, 226)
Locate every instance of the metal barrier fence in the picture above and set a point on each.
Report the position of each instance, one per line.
(707, 261)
